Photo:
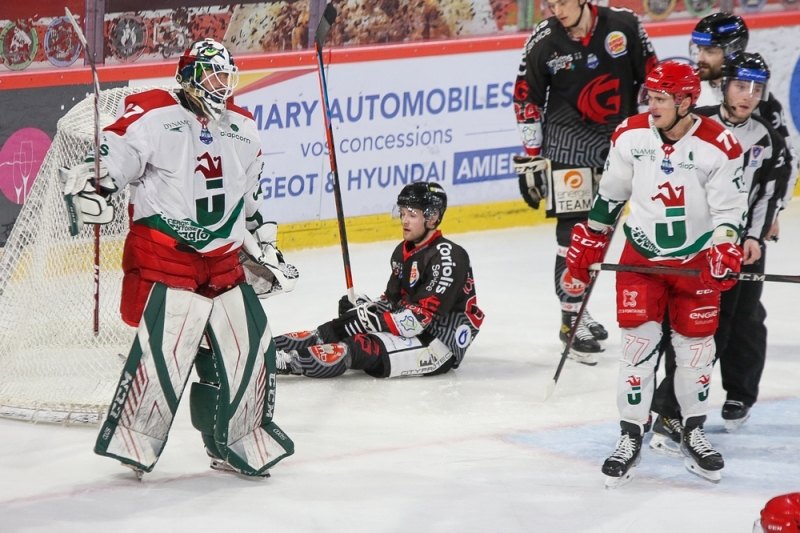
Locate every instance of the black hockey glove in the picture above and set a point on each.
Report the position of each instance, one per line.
(532, 174)
(362, 319)
(346, 305)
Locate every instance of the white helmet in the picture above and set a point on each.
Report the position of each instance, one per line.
(208, 76)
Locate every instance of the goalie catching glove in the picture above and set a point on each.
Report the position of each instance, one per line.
(532, 173)
(264, 267)
(86, 202)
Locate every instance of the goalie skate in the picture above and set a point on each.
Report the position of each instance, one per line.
(701, 458)
(667, 437)
(222, 465)
(138, 471)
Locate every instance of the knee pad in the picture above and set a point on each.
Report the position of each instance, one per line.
(415, 356)
(694, 357)
(636, 379)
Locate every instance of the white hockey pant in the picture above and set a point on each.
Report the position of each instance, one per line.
(636, 382)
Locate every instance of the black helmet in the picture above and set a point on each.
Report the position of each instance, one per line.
(722, 30)
(748, 67)
(426, 196)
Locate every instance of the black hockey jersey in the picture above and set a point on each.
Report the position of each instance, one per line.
(767, 169)
(570, 95)
(432, 289)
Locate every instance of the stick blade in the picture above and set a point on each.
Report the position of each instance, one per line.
(325, 23)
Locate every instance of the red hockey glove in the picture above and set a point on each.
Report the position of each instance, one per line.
(587, 247)
(723, 259)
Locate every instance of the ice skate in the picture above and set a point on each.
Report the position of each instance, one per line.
(734, 414)
(701, 458)
(584, 347)
(598, 331)
(627, 455)
(138, 471)
(286, 363)
(667, 437)
(222, 465)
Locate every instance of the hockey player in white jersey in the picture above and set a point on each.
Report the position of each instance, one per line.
(682, 175)
(193, 162)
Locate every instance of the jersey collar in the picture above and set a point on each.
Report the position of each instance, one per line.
(409, 249)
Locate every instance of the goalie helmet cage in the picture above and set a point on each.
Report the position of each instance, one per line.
(52, 366)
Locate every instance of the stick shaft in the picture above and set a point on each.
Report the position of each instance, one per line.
(670, 271)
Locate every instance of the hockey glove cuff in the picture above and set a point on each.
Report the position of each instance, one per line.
(586, 248)
(532, 174)
(86, 202)
(723, 259)
(264, 265)
(346, 305)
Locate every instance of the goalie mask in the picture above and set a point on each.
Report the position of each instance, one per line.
(208, 76)
(428, 197)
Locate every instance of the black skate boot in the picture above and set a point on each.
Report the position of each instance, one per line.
(667, 436)
(287, 363)
(734, 414)
(617, 467)
(584, 348)
(701, 458)
(598, 331)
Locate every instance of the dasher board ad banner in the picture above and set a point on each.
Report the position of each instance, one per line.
(448, 119)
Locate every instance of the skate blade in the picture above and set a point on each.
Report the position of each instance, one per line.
(714, 476)
(733, 425)
(138, 471)
(223, 466)
(665, 446)
(589, 359)
(617, 482)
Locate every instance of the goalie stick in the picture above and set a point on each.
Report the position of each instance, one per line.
(741, 276)
(73, 215)
(325, 23)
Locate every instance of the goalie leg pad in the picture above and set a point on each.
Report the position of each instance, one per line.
(244, 353)
(154, 377)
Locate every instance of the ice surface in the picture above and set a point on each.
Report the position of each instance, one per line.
(475, 450)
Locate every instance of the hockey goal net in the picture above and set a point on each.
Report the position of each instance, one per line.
(53, 367)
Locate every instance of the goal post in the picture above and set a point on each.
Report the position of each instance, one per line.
(53, 368)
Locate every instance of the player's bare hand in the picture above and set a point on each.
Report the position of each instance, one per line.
(752, 251)
(774, 232)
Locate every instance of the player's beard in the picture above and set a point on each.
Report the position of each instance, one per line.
(708, 73)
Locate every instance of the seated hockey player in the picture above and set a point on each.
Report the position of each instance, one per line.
(678, 172)
(196, 197)
(421, 325)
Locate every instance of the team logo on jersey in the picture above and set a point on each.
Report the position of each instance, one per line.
(599, 99)
(592, 61)
(18, 44)
(704, 381)
(616, 44)
(463, 336)
(205, 135)
(629, 298)
(413, 276)
(635, 396)
(755, 155)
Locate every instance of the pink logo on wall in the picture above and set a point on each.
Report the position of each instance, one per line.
(20, 159)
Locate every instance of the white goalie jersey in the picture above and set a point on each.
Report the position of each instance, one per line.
(194, 180)
(679, 193)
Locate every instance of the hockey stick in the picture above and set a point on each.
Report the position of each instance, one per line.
(325, 23)
(741, 276)
(73, 216)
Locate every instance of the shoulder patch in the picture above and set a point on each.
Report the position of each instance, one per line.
(717, 135)
(636, 122)
(137, 105)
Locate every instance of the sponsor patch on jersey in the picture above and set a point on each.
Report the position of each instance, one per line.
(616, 44)
(327, 354)
(413, 275)
(205, 135)
(299, 335)
(565, 62)
(592, 61)
(755, 155)
(463, 336)
(397, 269)
(570, 285)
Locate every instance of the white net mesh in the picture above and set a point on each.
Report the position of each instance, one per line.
(52, 366)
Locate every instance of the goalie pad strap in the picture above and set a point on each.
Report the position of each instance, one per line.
(154, 377)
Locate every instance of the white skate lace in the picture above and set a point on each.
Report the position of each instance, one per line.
(700, 444)
(626, 448)
(587, 320)
(673, 424)
(583, 332)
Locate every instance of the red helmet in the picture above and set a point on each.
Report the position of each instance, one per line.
(674, 78)
(780, 515)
